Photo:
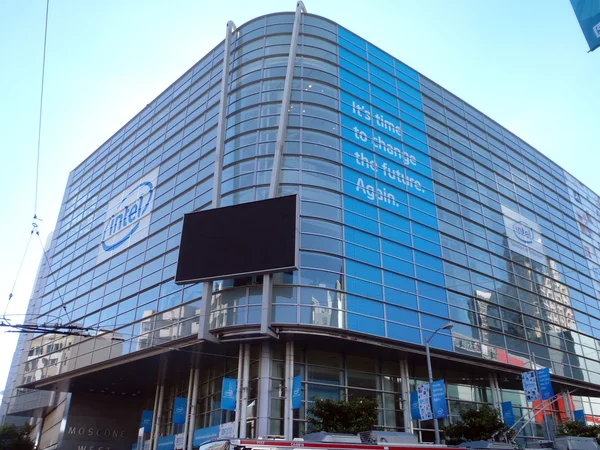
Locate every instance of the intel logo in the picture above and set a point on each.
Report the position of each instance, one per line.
(523, 232)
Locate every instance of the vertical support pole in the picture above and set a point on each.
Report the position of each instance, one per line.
(264, 391)
(245, 386)
(265, 321)
(405, 395)
(204, 325)
(436, 425)
(496, 400)
(155, 408)
(566, 396)
(190, 437)
(188, 401)
(287, 392)
(238, 396)
(161, 395)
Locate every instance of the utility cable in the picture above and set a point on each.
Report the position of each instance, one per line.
(37, 172)
(17, 276)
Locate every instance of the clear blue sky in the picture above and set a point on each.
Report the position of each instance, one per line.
(524, 64)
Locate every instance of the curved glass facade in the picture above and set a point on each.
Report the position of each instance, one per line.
(415, 210)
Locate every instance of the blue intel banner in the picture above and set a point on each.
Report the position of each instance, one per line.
(544, 383)
(508, 414)
(205, 434)
(179, 407)
(146, 420)
(588, 16)
(166, 443)
(415, 412)
(297, 392)
(228, 394)
(579, 415)
(438, 399)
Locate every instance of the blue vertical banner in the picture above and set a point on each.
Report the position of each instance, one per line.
(545, 384)
(579, 415)
(588, 16)
(297, 392)
(508, 414)
(179, 407)
(228, 394)
(423, 394)
(530, 386)
(438, 399)
(415, 412)
(146, 423)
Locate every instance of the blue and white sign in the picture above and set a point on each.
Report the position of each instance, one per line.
(225, 430)
(579, 415)
(179, 407)
(438, 399)
(228, 394)
(179, 441)
(424, 402)
(588, 16)
(166, 443)
(544, 384)
(530, 386)
(415, 412)
(297, 392)
(146, 423)
(508, 414)
(524, 236)
(128, 216)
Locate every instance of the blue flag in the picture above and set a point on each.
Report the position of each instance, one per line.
(179, 407)
(146, 423)
(438, 399)
(166, 443)
(588, 16)
(579, 415)
(415, 412)
(228, 394)
(508, 414)
(544, 383)
(297, 392)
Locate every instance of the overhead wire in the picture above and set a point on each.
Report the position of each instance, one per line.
(10, 296)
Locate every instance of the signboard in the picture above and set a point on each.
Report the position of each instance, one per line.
(523, 235)
(579, 415)
(424, 405)
(530, 386)
(166, 443)
(217, 431)
(179, 441)
(544, 383)
(228, 394)
(297, 392)
(438, 399)
(508, 414)
(588, 16)
(179, 408)
(415, 412)
(146, 423)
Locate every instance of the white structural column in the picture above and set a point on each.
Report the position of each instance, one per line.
(192, 418)
(495, 388)
(264, 390)
(405, 394)
(189, 401)
(204, 325)
(244, 389)
(288, 416)
(238, 395)
(265, 321)
(159, 406)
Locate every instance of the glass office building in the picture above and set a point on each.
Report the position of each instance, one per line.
(416, 210)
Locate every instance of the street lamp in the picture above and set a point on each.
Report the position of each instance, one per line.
(436, 426)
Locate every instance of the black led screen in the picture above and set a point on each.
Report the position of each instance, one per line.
(250, 238)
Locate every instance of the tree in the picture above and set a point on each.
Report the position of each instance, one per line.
(343, 416)
(474, 425)
(13, 438)
(577, 428)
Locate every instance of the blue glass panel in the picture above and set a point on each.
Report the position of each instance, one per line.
(426, 246)
(363, 271)
(352, 38)
(395, 220)
(347, 86)
(361, 238)
(399, 281)
(408, 98)
(413, 121)
(349, 106)
(350, 55)
(357, 206)
(430, 276)
(366, 325)
(386, 122)
(357, 81)
(400, 298)
(424, 219)
(410, 110)
(384, 99)
(440, 340)
(356, 132)
(390, 197)
(403, 68)
(426, 260)
(433, 307)
(361, 222)
(365, 288)
(381, 55)
(396, 250)
(364, 306)
(403, 333)
(362, 254)
(402, 315)
(423, 205)
(360, 159)
(432, 323)
(431, 291)
(393, 234)
(398, 265)
(427, 233)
